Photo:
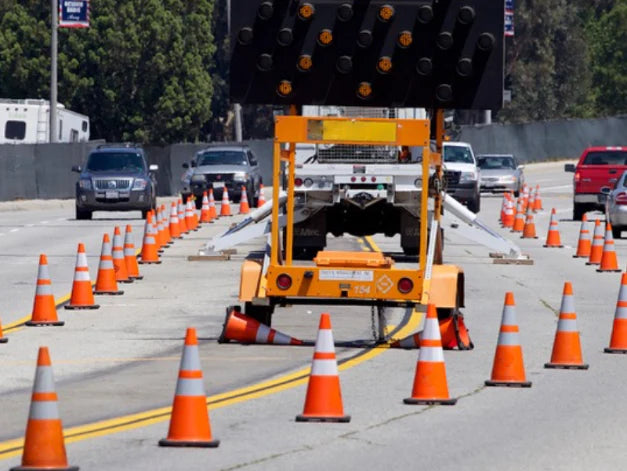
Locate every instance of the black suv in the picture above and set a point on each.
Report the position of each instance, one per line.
(219, 167)
(115, 178)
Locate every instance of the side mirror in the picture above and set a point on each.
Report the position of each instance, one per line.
(605, 190)
(153, 168)
(77, 168)
(194, 163)
(185, 165)
(569, 168)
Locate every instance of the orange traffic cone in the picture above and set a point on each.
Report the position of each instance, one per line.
(519, 220)
(82, 295)
(44, 448)
(130, 257)
(44, 308)
(105, 281)
(508, 368)
(453, 332)
(225, 207)
(189, 424)
(166, 226)
(175, 230)
(183, 229)
(608, 257)
(244, 329)
(618, 339)
(504, 204)
(205, 215)
(567, 346)
(163, 243)
(150, 250)
(598, 241)
(261, 200)
(3, 339)
(553, 238)
(583, 245)
(244, 208)
(212, 205)
(195, 214)
(189, 215)
(323, 402)
(529, 231)
(531, 203)
(508, 220)
(119, 261)
(430, 386)
(537, 206)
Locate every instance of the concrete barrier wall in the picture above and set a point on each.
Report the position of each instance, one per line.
(43, 171)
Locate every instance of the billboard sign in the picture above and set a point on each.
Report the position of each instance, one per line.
(73, 13)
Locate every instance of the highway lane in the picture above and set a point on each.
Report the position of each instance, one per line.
(567, 420)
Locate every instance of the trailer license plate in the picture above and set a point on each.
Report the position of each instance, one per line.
(112, 195)
(346, 275)
(218, 184)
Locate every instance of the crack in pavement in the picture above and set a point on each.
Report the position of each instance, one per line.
(549, 307)
(268, 458)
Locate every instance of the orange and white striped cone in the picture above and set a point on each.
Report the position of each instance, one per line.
(508, 221)
(150, 249)
(205, 216)
(430, 385)
(519, 220)
(553, 238)
(195, 214)
(585, 240)
(189, 423)
(82, 296)
(323, 402)
(598, 241)
(213, 213)
(183, 229)
(175, 230)
(105, 281)
(567, 346)
(119, 260)
(537, 206)
(608, 257)
(130, 257)
(618, 338)
(503, 207)
(44, 308)
(261, 200)
(163, 243)
(244, 208)
(3, 339)
(225, 207)
(166, 226)
(508, 368)
(531, 203)
(529, 231)
(44, 446)
(189, 215)
(241, 328)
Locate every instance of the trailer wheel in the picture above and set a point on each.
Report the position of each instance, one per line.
(262, 314)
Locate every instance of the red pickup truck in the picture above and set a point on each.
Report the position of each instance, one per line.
(598, 168)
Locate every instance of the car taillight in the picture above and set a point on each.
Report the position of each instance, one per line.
(621, 198)
(284, 281)
(298, 181)
(405, 285)
(577, 177)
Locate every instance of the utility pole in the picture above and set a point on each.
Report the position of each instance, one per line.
(54, 13)
(237, 108)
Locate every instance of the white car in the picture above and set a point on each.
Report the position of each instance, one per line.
(462, 174)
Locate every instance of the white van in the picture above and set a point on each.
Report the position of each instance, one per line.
(462, 174)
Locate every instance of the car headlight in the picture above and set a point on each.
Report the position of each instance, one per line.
(140, 184)
(198, 178)
(85, 183)
(240, 176)
(468, 177)
(509, 179)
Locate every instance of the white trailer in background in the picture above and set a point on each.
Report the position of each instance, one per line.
(28, 122)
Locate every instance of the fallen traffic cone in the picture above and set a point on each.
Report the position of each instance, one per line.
(567, 346)
(189, 423)
(119, 261)
(44, 447)
(175, 230)
(323, 402)
(44, 308)
(553, 238)
(130, 257)
(529, 231)
(183, 229)
(519, 220)
(150, 250)
(189, 215)
(598, 241)
(261, 200)
(508, 368)
(537, 206)
(3, 339)
(583, 245)
(212, 205)
(430, 386)
(225, 207)
(608, 257)
(82, 295)
(508, 220)
(105, 281)
(244, 208)
(453, 332)
(205, 216)
(618, 339)
(239, 327)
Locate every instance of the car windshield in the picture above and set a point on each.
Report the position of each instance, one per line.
(500, 162)
(457, 154)
(609, 157)
(222, 157)
(116, 162)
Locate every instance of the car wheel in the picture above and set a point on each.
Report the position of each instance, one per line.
(83, 214)
(616, 231)
(579, 210)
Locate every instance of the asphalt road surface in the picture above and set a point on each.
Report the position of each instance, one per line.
(116, 367)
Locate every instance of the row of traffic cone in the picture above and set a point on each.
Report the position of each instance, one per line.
(208, 210)
(600, 250)
(511, 211)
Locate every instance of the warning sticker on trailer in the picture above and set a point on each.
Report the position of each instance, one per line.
(346, 275)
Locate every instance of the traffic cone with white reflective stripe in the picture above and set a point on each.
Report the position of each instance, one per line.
(189, 423)
(618, 339)
(189, 215)
(160, 234)
(175, 230)
(261, 200)
(504, 204)
(183, 229)
(44, 446)
(205, 215)
(537, 204)
(508, 368)
(598, 241)
(166, 226)
(212, 205)
(567, 346)
(130, 257)
(430, 385)
(244, 329)
(519, 220)
(105, 281)
(244, 208)
(44, 308)
(531, 203)
(529, 230)
(119, 261)
(150, 249)
(3, 339)
(225, 207)
(323, 402)
(553, 238)
(508, 220)
(82, 294)
(608, 257)
(583, 245)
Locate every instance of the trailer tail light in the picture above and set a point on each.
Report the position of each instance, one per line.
(308, 182)
(284, 281)
(621, 198)
(298, 181)
(405, 285)
(373, 179)
(353, 179)
(363, 179)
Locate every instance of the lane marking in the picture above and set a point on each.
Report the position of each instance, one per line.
(14, 229)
